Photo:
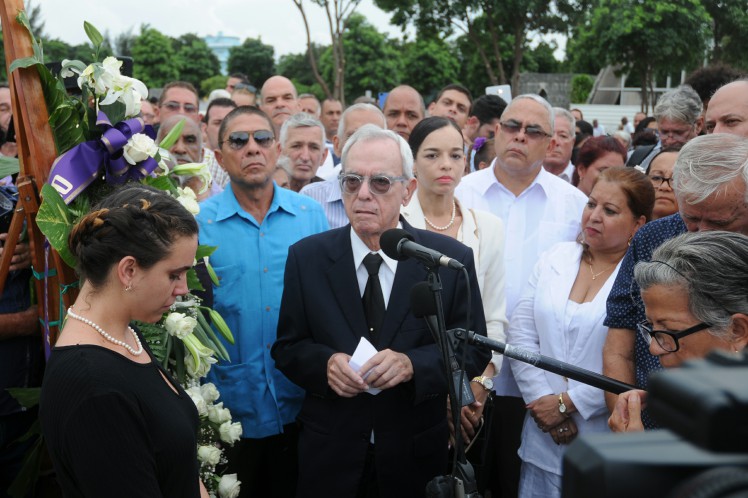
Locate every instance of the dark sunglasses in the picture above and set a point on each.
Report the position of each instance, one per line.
(531, 132)
(175, 106)
(238, 139)
(245, 86)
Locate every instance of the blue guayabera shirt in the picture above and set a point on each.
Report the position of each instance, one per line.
(250, 262)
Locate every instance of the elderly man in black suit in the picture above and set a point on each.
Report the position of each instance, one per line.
(353, 443)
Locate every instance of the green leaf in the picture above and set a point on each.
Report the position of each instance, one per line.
(172, 137)
(193, 283)
(55, 221)
(203, 251)
(9, 166)
(26, 396)
(24, 62)
(114, 111)
(161, 183)
(220, 324)
(93, 34)
(212, 273)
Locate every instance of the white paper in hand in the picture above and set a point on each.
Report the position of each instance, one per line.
(364, 351)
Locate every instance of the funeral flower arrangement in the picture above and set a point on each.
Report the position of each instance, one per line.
(101, 143)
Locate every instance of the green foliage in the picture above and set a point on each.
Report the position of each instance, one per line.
(429, 65)
(3, 73)
(253, 58)
(55, 221)
(372, 60)
(154, 58)
(730, 31)
(541, 59)
(212, 83)
(581, 86)
(195, 60)
(668, 35)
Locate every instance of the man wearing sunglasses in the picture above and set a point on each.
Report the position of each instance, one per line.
(340, 288)
(178, 97)
(253, 222)
(538, 209)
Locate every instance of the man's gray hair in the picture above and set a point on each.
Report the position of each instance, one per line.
(359, 107)
(370, 132)
(312, 96)
(540, 100)
(560, 112)
(707, 164)
(681, 104)
(300, 120)
(710, 267)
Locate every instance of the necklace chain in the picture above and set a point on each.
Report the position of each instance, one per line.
(592, 272)
(448, 225)
(108, 337)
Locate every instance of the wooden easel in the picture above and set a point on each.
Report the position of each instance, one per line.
(36, 153)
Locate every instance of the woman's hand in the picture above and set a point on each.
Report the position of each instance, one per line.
(544, 411)
(565, 432)
(627, 414)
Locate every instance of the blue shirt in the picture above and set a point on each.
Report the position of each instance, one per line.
(625, 307)
(250, 262)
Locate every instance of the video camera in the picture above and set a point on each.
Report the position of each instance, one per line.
(704, 406)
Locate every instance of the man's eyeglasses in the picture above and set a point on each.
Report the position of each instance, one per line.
(238, 139)
(245, 86)
(175, 106)
(531, 132)
(666, 339)
(657, 181)
(350, 183)
(677, 134)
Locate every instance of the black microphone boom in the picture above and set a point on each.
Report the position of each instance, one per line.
(547, 363)
(398, 244)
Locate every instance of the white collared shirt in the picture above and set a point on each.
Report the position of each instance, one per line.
(386, 270)
(546, 212)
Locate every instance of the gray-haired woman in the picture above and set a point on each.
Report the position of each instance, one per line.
(696, 299)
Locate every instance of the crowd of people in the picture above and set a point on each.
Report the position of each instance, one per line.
(621, 256)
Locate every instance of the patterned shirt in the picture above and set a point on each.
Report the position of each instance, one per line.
(625, 307)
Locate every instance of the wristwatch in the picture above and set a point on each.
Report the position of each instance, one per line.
(486, 382)
(561, 404)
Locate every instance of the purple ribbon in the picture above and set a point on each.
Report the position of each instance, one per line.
(77, 168)
(479, 142)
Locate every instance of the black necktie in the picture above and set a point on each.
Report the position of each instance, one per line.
(373, 298)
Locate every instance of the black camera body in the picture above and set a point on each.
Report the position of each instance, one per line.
(703, 405)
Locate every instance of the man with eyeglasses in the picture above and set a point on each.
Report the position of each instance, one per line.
(253, 222)
(709, 184)
(178, 97)
(214, 115)
(341, 288)
(538, 210)
(328, 193)
(679, 119)
(558, 159)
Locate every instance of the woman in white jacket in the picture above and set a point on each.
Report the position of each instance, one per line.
(561, 315)
(439, 163)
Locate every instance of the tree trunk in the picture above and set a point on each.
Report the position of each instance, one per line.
(310, 51)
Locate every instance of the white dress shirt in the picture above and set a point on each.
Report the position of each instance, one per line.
(546, 212)
(386, 270)
(484, 234)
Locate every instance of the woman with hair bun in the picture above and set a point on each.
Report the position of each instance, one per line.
(115, 422)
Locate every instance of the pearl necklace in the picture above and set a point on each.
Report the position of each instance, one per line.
(108, 337)
(595, 275)
(448, 225)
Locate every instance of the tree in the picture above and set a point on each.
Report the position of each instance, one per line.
(253, 58)
(154, 58)
(298, 69)
(123, 43)
(730, 31)
(645, 37)
(488, 24)
(429, 65)
(339, 13)
(195, 60)
(373, 61)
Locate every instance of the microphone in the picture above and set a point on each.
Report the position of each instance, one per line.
(398, 244)
(422, 305)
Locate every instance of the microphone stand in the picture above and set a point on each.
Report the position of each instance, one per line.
(461, 482)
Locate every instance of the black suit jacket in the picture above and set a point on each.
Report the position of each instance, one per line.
(322, 314)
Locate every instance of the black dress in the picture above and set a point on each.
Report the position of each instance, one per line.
(115, 428)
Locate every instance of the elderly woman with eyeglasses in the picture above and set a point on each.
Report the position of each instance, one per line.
(660, 171)
(696, 300)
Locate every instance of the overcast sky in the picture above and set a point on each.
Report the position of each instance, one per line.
(276, 22)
